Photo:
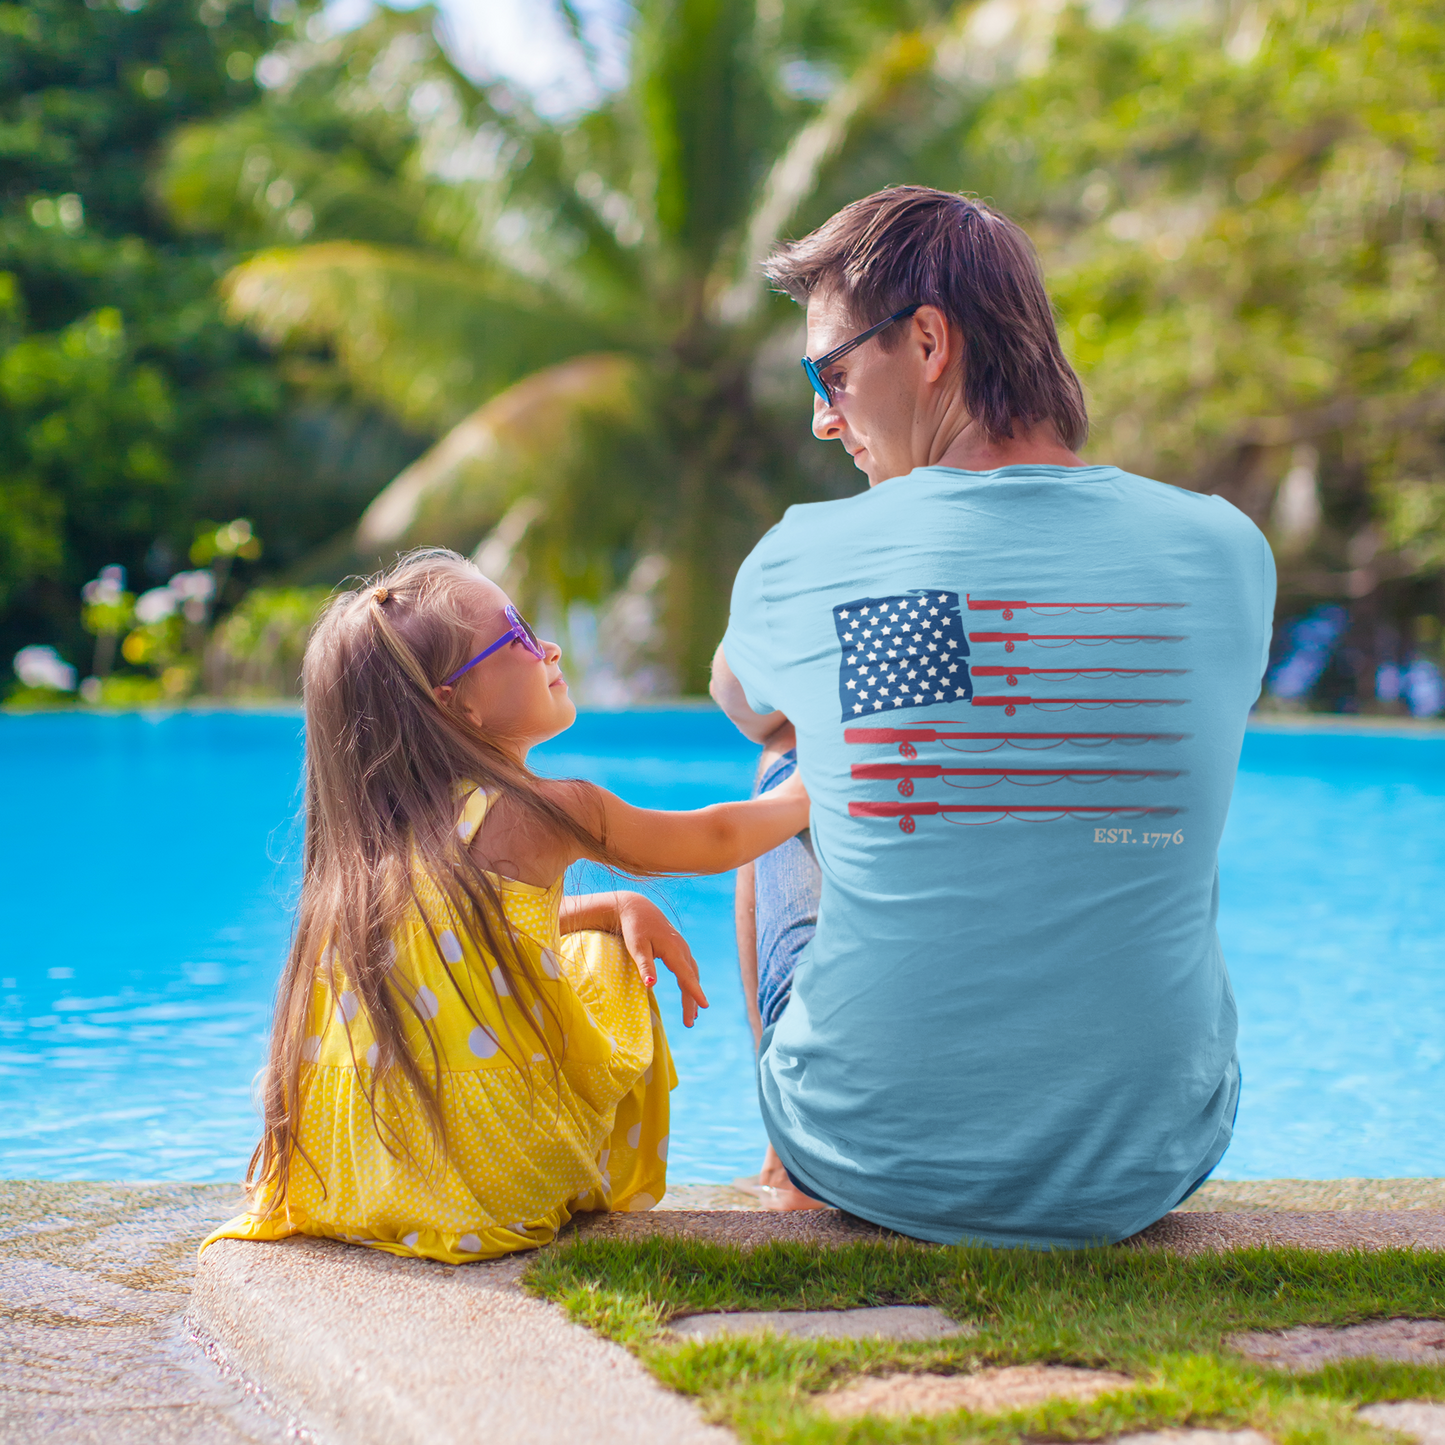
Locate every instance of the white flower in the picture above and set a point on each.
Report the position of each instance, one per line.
(155, 605)
(105, 590)
(44, 667)
(194, 590)
(199, 584)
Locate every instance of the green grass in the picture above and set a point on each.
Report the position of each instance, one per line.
(1158, 1317)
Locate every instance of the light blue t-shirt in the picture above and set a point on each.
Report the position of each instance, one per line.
(1020, 697)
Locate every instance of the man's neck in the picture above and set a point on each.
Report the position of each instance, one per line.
(972, 451)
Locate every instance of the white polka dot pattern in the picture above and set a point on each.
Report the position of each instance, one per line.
(526, 1141)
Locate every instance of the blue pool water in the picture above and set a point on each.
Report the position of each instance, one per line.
(149, 866)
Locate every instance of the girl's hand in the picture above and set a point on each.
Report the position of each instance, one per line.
(648, 936)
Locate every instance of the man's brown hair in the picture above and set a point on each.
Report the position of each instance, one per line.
(912, 244)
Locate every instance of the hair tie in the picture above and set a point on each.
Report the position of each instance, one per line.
(381, 594)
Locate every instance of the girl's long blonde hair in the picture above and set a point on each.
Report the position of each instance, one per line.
(386, 767)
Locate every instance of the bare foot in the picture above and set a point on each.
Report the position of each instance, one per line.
(772, 1173)
(782, 1195)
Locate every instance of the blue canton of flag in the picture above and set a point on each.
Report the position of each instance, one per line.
(901, 652)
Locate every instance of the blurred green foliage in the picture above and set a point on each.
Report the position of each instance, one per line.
(256, 651)
(1245, 229)
(578, 298)
(1239, 207)
(130, 408)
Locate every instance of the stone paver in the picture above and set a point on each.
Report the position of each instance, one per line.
(743, 1227)
(1307, 1196)
(1307, 1347)
(94, 1280)
(707, 1196)
(883, 1322)
(365, 1347)
(1185, 1233)
(1422, 1419)
(988, 1392)
(1181, 1233)
(1217, 1196)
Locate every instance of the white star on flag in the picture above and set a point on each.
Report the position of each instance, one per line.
(911, 625)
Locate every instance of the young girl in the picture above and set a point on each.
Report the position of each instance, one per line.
(462, 1057)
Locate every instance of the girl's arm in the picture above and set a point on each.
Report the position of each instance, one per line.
(647, 934)
(707, 840)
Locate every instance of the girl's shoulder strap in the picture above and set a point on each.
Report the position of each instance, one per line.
(473, 810)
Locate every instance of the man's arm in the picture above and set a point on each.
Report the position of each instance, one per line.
(727, 693)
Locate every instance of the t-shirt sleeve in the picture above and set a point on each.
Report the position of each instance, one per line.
(1270, 583)
(747, 643)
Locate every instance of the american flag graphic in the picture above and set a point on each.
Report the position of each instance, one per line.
(901, 652)
(909, 651)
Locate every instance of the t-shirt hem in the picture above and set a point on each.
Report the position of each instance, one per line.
(1004, 1239)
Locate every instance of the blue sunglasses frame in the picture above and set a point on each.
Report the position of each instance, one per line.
(815, 369)
(517, 632)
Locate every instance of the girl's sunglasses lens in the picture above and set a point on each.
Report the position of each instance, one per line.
(529, 637)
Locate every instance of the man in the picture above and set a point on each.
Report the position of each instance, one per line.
(991, 1003)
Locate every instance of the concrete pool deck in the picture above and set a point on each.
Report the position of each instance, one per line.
(112, 1333)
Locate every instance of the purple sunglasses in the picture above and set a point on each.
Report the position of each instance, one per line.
(517, 632)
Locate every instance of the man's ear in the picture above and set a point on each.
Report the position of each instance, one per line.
(939, 340)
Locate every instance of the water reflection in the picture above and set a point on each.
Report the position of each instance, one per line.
(149, 897)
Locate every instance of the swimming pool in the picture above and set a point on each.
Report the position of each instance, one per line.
(149, 866)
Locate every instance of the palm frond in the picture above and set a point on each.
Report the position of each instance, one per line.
(897, 65)
(257, 178)
(526, 442)
(428, 337)
(703, 106)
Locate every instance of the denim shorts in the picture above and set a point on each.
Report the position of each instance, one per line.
(787, 885)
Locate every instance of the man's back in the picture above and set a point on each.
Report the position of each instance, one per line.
(1019, 697)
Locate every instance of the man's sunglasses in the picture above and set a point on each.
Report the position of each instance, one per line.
(517, 632)
(815, 369)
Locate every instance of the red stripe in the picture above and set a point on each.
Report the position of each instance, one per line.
(891, 772)
(929, 810)
(933, 735)
(1075, 637)
(990, 604)
(1098, 701)
(1079, 671)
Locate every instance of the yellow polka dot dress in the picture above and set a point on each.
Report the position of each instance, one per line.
(526, 1145)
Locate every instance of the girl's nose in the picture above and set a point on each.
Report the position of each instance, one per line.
(552, 653)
